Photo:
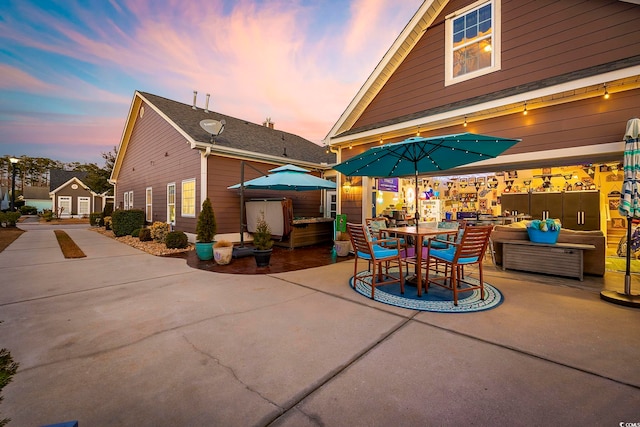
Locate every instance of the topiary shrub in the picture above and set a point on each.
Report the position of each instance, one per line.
(95, 218)
(136, 232)
(176, 240)
(207, 226)
(145, 235)
(107, 222)
(159, 231)
(124, 222)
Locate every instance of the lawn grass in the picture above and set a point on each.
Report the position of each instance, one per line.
(8, 235)
(68, 246)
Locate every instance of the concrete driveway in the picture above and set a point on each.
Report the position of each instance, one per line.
(123, 338)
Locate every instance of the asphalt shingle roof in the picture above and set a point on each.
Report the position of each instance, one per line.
(241, 134)
(57, 177)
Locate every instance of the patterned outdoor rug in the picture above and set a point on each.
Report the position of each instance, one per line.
(436, 300)
(614, 263)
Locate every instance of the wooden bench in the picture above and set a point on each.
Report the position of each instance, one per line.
(560, 259)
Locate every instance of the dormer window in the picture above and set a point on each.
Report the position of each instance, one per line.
(472, 41)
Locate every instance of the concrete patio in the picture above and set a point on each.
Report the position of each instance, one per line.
(123, 338)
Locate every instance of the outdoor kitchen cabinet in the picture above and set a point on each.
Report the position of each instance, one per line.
(546, 205)
(515, 203)
(581, 210)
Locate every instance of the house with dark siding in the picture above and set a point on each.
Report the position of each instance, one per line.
(168, 164)
(562, 76)
(70, 196)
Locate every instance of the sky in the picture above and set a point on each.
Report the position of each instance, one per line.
(69, 69)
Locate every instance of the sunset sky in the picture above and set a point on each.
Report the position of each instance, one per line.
(69, 68)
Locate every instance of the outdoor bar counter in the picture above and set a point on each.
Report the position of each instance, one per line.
(308, 231)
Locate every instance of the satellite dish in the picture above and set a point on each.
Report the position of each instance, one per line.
(213, 127)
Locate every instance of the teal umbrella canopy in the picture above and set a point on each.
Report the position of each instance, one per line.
(419, 155)
(287, 177)
(630, 195)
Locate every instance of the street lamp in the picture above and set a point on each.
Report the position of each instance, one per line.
(14, 166)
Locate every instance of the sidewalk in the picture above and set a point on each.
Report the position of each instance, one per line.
(123, 338)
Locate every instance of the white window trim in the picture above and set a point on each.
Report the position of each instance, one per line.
(130, 199)
(171, 184)
(496, 19)
(126, 201)
(148, 200)
(182, 213)
(66, 211)
(86, 199)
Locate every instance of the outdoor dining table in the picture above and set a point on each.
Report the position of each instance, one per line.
(419, 233)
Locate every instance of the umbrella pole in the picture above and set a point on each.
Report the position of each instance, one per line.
(416, 199)
(242, 251)
(627, 276)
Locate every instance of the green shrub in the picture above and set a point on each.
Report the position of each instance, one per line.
(207, 226)
(9, 219)
(136, 232)
(176, 240)
(124, 222)
(95, 218)
(47, 215)
(8, 369)
(159, 231)
(262, 236)
(145, 235)
(107, 222)
(29, 210)
(108, 209)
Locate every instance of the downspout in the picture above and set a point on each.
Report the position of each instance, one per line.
(204, 174)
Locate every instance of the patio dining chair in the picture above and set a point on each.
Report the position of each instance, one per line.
(379, 258)
(469, 250)
(374, 228)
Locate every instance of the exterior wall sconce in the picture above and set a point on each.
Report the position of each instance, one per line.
(346, 186)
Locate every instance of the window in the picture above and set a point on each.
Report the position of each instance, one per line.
(188, 205)
(128, 200)
(171, 203)
(84, 206)
(64, 206)
(148, 203)
(473, 42)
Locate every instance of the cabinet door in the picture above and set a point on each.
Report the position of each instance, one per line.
(546, 205)
(515, 203)
(581, 210)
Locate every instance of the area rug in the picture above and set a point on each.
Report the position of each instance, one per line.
(614, 263)
(438, 299)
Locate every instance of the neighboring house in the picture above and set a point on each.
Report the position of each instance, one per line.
(69, 194)
(167, 164)
(37, 197)
(479, 66)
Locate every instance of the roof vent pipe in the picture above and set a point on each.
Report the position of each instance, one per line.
(195, 94)
(206, 104)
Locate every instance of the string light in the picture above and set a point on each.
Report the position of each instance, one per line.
(525, 112)
(606, 92)
(465, 121)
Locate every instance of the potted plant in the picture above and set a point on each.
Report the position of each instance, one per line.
(222, 252)
(262, 242)
(205, 231)
(342, 244)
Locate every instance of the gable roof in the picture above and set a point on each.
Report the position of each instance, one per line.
(35, 192)
(66, 183)
(240, 138)
(58, 177)
(555, 90)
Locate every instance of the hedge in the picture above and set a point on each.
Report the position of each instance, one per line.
(124, 222)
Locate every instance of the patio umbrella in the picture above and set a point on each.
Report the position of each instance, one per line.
(287, 177)
(418, 155)
(630, 195)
